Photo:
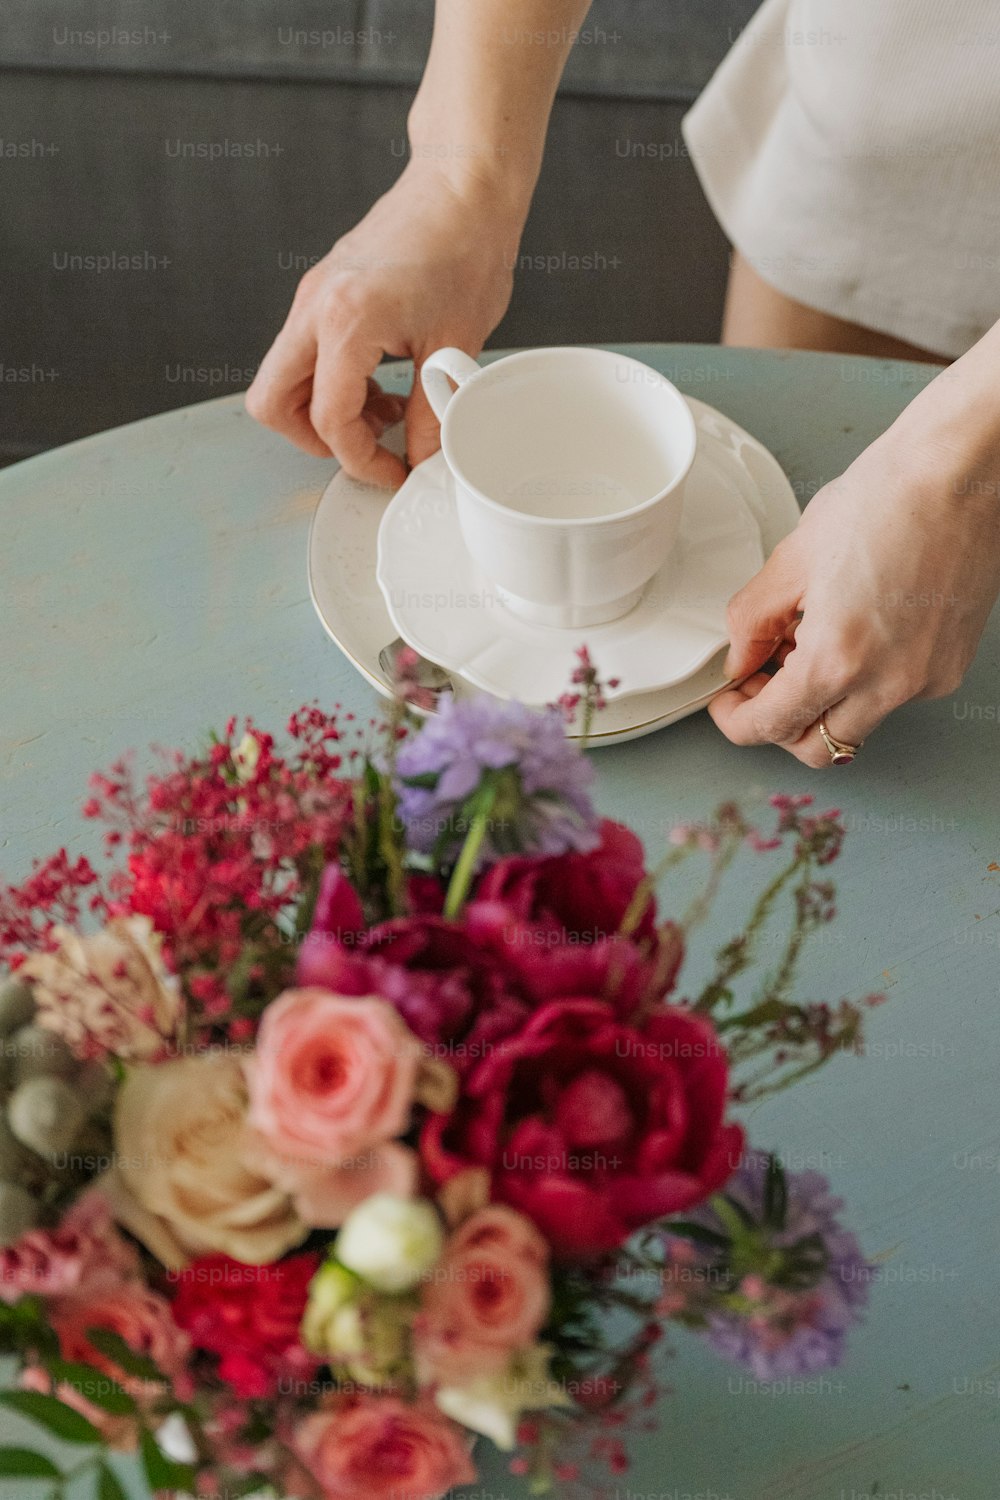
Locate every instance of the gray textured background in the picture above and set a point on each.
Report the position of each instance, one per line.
(89, 167)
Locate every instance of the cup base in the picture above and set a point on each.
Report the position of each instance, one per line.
(570, 616)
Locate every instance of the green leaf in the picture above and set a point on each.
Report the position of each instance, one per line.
(428, 779)
(689, 1231)
(109, 1486)
(22, 1463)
(111, 1344)
(162, 1473)
(775, 1194)
(52, 1414)
(735, 1218)
(95, 1386)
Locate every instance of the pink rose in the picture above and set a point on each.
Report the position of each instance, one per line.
(331, 1076)
(487, 1296)
(332, 1081)
(382, 1448)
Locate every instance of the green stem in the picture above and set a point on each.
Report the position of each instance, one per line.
(739, 958)
(644, 891)
(588, 721)
(461, 876)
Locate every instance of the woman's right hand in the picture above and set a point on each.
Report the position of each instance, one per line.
(430, 265)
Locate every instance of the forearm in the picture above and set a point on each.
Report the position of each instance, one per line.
(482, 110)
(958, 415)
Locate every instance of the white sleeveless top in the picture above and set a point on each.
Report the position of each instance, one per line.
(851, 151)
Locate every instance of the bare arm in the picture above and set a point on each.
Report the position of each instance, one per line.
(432, 262)
(882, 592)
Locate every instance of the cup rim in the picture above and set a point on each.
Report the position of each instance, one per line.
(591, 521)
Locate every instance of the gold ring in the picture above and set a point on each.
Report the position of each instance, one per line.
(841, 754)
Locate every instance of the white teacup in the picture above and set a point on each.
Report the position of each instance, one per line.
(568, 466)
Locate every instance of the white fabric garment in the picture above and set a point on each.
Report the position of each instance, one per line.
(851, 151)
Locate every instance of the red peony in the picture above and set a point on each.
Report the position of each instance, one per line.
(577, 893)
(557, 923)
(592, 1128)
(250, 1316)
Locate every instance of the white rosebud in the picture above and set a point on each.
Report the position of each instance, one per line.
(354, 1328)
(493, 1403)
(330, 1325)
(35, 1052)
(17, 1005)
(174, 1437)
(45, 1114)
(391, 1242)
(17, 1212)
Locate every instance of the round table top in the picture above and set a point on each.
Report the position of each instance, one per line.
(153, 581)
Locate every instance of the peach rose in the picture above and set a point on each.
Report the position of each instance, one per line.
(144, 1320)
(185, 1161)
(331, 1076)
(487, 1296)
(108, 992)
(382, 1448)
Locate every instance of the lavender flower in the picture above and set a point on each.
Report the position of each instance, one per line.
(510, 761)
(796, 1278)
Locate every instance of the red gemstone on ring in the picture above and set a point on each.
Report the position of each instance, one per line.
(842, 758)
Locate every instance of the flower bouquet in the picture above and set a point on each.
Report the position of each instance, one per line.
(364, 1107)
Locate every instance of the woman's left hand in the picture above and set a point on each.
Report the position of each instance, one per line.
(880, 595)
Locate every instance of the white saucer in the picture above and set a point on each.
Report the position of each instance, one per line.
(445, 607)
(346, 596)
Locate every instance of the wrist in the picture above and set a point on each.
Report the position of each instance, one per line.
(488, 174)
(948, 442)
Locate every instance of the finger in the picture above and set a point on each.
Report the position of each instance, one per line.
(761, 613)
(776, 710)
(387, 407)
(423, 431)
(850, 721)
(340, 395)
(281, 392)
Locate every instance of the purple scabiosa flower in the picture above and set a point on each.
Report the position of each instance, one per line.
(792, 1281)
(511, 764)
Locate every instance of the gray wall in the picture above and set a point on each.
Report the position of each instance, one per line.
(92, 165)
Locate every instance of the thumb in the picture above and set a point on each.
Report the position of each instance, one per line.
(423, 431)
(759, 615)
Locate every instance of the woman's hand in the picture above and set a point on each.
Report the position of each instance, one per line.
(430, 265)
(880, 595)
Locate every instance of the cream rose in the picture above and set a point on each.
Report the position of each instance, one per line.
(184, 1156)
(108, 992)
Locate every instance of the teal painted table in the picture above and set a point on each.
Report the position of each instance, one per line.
(153, 580)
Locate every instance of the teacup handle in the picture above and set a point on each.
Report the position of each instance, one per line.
(436, 371)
